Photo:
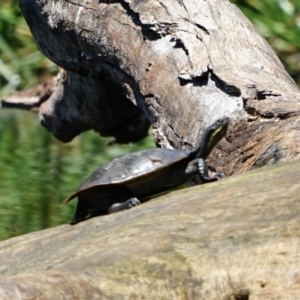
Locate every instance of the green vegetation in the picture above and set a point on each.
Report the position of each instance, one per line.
(279, 22)
(36, 171)
(21, 64)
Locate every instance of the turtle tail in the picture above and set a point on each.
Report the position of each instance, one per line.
(81, 212)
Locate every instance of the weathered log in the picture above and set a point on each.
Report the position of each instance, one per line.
(233, 239)
(182, 63)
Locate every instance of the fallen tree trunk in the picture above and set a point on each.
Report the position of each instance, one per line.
(182, 64)
(233, 239)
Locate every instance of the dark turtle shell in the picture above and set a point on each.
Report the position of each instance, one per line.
(136, 177)
(138, 171)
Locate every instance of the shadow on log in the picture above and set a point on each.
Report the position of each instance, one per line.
(234, 239)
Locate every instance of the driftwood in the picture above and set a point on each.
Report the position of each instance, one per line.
(233, 239)
(30, 99)
(179, 64)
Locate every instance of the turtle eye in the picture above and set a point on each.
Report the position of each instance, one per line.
(221, 120)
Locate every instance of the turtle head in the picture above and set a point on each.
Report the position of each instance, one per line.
(211, 136)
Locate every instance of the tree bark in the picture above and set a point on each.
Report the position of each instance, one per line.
(182, 64)
(233, 239)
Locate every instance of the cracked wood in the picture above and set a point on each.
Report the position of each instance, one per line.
(198, 60)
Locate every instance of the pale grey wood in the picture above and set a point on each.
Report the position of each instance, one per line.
(183, 63)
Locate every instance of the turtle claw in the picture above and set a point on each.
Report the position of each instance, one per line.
(220, 175)
(133, 202)
(216, 177)
(199, 168)
(74, 221)
(125, 205)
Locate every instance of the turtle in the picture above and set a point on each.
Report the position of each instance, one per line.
(130, 179)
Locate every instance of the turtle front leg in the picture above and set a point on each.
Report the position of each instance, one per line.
(198, 167)
(125, 205)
